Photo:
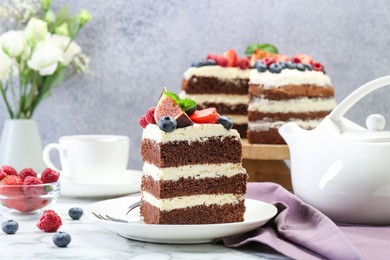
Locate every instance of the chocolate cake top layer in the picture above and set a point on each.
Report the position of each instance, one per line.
(211, 85)
(217, 149)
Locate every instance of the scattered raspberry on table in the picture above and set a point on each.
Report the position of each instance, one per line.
(49, 221)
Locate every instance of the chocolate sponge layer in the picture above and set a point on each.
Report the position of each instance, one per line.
(213, 85)
(172, 154)
(203, 214)
(190, 186)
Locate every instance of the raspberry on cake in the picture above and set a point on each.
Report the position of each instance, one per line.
(221, 81)
(297, 90)
(192, 172)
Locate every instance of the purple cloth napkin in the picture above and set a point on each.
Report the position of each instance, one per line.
(300, 231)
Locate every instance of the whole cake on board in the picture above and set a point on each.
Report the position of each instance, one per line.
(289, 90)
(192, 170)
(220, 81)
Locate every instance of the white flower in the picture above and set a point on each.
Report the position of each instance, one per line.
(69, 47)
(14, 43)
(35, 31)
(45, 57)
(6, 64)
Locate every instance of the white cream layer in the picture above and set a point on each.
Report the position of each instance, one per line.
(304, 104)
(191, 201)
(217, 72)
(289, 76)
(198, 171)
(218, 98)
(266, 125)
(196, 132)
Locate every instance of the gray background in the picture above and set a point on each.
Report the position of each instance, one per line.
(138, 46)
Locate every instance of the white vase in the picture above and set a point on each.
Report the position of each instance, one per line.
(20, 145)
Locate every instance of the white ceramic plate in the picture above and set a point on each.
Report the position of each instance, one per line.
(130, 183)
(257, 214)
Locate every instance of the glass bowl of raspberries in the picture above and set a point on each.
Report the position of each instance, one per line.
(27, 192)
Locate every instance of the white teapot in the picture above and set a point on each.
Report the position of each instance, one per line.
(342, 168)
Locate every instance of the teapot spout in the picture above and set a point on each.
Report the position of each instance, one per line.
(291, 133)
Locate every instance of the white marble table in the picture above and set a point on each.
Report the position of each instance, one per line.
(90, 241)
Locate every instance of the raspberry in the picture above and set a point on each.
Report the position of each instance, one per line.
(142, 122)
(222, 61)
(318, 66)
(2, 175)
(49, 221)
(11, 186)
(149, 116)
(27, 172)
(243, 63)
(268, 61)
(49, 176)
(29, 187)
(8, 170)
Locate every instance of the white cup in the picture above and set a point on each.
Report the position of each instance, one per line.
(90, 159)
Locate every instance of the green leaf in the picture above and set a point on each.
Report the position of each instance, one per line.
(261, 46)
(251, 49)
(172, 95)
(187, 104)
(268, 48)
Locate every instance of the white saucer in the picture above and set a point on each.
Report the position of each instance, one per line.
(130, 183)
(257, 214)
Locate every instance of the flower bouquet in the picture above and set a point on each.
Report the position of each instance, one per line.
(37, 52)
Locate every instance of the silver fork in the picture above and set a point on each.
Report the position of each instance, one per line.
(109, 218)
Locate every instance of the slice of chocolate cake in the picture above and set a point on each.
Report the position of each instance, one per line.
(192, 174)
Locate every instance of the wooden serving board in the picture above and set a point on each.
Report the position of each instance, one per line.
(264, 151)
(265, 163)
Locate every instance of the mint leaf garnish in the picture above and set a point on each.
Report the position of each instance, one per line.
(172, 95)
(251, 48)
(187, 104)
(268, 48)
(261, 46)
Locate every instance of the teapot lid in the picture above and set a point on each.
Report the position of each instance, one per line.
(373, 134)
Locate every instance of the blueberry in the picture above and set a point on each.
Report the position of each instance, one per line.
(291, 65)
(300, 67)
(10, 226)
(75, 213)
(260, 66)
(275, 68)
(167, 123)
(198, 64)
(308, 66)
(226, 122)
(61, 239)
(282, 64)
(210, 62)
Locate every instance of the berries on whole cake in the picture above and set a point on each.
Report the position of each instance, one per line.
(192, 170)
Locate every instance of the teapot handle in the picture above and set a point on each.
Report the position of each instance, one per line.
(339, 111)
